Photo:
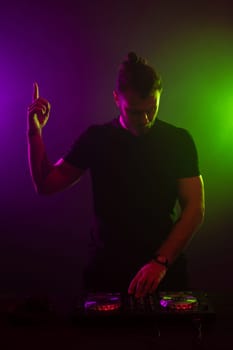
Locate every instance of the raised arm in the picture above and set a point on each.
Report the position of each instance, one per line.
(47, 178)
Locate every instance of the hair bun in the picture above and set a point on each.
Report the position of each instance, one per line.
(132, 57)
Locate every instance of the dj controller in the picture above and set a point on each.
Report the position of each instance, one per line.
(161, 306)
(160, 317)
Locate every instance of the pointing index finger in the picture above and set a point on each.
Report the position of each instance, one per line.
(35, 91)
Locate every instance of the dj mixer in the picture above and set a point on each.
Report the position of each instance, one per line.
(161, 306)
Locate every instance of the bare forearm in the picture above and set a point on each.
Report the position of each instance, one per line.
(181, 233)
(38, 162)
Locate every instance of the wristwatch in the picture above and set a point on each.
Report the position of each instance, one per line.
(161, 259)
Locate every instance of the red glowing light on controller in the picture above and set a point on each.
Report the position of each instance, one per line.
(108, 307)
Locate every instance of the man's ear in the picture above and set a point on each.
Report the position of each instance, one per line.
(116, 97)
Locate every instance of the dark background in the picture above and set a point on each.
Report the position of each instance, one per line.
(73, 50)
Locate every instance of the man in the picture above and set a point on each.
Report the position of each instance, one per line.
(141, 167)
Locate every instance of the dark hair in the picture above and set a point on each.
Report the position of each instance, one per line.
(135, 74)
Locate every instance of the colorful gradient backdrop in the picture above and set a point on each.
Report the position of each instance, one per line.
(73, 51)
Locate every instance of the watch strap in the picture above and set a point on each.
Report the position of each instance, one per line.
(161, 259)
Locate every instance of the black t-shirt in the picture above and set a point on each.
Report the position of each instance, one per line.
(134, 180)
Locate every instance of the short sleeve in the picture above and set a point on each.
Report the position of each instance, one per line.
(80, 153)
(187, 156)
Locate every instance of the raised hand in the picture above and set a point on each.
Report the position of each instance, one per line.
(38, 110)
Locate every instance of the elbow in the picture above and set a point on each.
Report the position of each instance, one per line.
(199, 215)
(43, 190)
(194, 215)
(42, 193)
(202, 212)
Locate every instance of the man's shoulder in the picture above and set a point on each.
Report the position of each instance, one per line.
(169, 129)
(167, 126)
(97, 131)
(103, 126)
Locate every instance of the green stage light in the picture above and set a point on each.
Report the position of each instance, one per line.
(198, 95)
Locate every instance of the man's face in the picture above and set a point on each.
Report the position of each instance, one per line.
(138, 114)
